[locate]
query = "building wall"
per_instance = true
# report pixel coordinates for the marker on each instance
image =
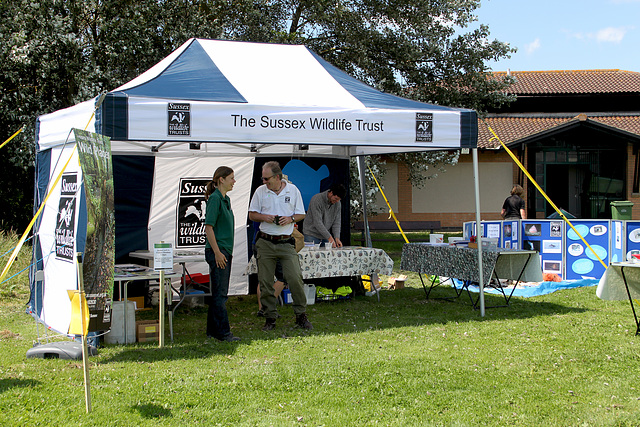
(449, 198)
(632, 197)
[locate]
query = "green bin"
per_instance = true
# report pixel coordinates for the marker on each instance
(621, 209)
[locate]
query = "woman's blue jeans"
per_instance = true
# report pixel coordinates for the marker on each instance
(217, 318)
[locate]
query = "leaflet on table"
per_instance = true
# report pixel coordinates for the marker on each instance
(132, 270)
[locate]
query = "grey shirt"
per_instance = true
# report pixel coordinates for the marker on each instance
(323, 219)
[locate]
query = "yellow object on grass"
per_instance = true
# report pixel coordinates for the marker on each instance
(343, 291)
(366, 282)
(79, 323)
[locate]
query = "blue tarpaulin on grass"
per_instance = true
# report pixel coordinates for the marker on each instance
(542, 288)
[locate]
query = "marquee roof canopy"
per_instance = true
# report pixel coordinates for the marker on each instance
(255, 97)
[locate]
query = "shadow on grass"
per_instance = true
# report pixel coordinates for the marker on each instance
(396, 309)
(151, 410)
(9, 383)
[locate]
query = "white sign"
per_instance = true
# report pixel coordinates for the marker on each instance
(162, 256)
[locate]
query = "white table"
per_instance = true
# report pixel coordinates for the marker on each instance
(338, 262)
(621, 281)
(462, 263)
(182, 258)
(127, 273)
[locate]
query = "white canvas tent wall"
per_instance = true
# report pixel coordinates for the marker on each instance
(238, 101)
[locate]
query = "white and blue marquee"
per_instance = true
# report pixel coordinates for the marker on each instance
(213, 103)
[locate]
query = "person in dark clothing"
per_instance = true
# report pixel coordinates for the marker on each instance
(219, 227)
(513, 206)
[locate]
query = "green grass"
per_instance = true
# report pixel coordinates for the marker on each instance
(565, 358)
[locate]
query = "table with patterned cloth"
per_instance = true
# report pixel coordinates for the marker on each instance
(621, 281)
(462, 263)
(338, 262)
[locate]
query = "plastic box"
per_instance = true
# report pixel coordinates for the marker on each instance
(116, 334)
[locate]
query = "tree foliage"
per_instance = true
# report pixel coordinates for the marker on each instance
(56, 53)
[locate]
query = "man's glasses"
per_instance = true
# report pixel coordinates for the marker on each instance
(267, 178)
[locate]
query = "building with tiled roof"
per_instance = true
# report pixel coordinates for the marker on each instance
(577, 132)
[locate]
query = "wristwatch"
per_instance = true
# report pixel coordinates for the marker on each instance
(293, 219)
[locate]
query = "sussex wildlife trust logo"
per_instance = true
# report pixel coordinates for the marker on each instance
(65, 225)
(424, 127)
(179, 116)
(192, 209)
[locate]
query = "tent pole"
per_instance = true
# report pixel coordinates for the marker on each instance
(363, 191)
(476, 182)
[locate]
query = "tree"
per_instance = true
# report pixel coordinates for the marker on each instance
(59, 52)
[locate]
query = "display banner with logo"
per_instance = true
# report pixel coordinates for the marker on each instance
(178, 208)
(78, 217)
(61, 233)
(94, 153)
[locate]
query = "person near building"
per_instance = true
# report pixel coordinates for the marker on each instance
(513, 206)
(277, 205)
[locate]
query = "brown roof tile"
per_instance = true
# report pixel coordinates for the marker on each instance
(573, 82)
(511, 129)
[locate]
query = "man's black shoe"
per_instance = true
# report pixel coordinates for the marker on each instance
(303, 322)
(269, 325)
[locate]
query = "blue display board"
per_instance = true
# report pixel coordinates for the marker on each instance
(468, 229)
(632, 239)
(492, 230)
(618, 240)
(545, 236)
(580, 261)
(510, 235)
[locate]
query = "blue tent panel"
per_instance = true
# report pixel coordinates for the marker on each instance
(193, 76)
(133, 181)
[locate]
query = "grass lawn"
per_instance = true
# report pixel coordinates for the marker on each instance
(567, 358)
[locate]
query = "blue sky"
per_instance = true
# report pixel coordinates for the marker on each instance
(565, 34)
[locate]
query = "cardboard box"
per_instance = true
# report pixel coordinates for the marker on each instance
(397, 282)
(147, 330)
(139, 302)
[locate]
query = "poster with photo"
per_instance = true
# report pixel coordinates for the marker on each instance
(552, 246)
(552, 267)
(545, 237)
(587, 261)
(555, 229)
(532, 229)
(632, 239)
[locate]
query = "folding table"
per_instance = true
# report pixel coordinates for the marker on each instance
(127, 273)
(462, 263)
(621, 281)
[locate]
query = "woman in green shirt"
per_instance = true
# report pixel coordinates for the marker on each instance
(219, 228)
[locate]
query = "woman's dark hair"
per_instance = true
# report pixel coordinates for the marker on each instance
(517, 190)
(221, 172)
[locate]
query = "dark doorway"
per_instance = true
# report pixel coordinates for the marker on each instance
(568, 188)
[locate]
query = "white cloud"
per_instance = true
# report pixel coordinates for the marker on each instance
(611, 34)
(532, 47)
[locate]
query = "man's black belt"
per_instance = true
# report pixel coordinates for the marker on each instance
(275, 239)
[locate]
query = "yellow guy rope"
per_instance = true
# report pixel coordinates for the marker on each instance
(14, 254)
(515, 159)
(391, 214)
(12, 136)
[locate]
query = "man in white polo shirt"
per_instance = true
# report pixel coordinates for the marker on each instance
(277, 205)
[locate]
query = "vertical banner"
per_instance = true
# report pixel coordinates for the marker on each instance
(94, 154)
